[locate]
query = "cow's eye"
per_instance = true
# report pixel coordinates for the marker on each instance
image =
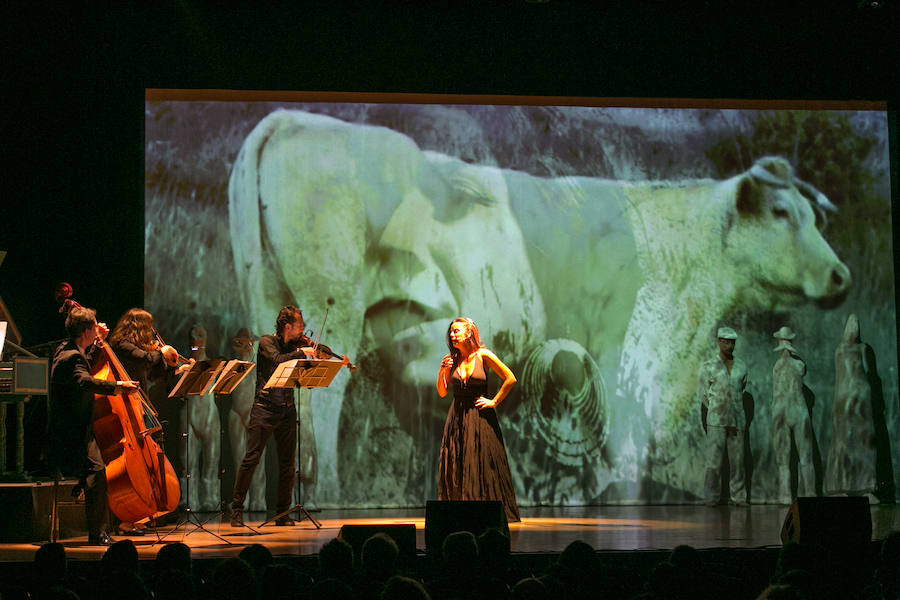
(780, 212)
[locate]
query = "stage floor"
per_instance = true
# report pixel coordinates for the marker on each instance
(542, 530)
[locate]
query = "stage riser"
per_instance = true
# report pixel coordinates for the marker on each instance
(27, 510)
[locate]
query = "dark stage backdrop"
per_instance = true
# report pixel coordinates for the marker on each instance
(598, 249)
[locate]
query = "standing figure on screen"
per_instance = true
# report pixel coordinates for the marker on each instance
(850, 466)
(201, 446)
(473, 463)
(790, 420)
(273, 412)
(242, 346)
(73, 450)
(722, 383)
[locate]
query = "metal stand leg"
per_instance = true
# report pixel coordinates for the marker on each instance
(189, 517)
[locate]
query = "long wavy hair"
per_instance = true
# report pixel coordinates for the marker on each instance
(135, 326)
(474, 338)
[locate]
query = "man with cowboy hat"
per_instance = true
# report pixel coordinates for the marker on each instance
(790, 419)
(722, 383)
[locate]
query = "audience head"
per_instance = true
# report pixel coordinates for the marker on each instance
(234, 579)
(781, 592)
(529, 588)
(460, 551)
(403, 588)
(257, 556)
(577, 560)
(50, 564)
(175, 556)
(686, 558)
(121, 556)
(493, 547)
(379, 556)
(336, 560)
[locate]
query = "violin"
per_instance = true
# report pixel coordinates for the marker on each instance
(172, 361)
(306, 342)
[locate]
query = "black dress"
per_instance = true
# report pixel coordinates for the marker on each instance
(473, 458)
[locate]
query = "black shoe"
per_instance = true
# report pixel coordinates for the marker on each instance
(129, 529)
(102, 539)
(237, 517)
(284, 521)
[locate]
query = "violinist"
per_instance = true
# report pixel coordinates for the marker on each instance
(72, 447)
(144, 358)
(133, 339)
(274, 412)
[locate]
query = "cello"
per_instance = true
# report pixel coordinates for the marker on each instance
(141, 482)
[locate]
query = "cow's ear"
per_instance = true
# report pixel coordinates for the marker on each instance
(748, 199)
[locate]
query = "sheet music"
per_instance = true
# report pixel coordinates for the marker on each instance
(232, 374)
(304, 372)
(199, 379)
(2, 336)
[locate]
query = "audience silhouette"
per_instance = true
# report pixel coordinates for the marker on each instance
(467, 568)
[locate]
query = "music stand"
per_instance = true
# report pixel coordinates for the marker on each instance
(232, 375)
(302, 373)
(196, 381)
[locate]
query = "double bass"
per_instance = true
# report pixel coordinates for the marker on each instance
(141, 482)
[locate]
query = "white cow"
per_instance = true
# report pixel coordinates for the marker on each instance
(645, 271)
(403, 240)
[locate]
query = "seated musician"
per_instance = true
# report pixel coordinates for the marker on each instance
(72, 449)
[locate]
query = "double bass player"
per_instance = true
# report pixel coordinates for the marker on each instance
(72, 448)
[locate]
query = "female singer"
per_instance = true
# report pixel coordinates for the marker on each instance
(473, 464)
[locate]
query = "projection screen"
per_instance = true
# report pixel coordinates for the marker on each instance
(599, 248)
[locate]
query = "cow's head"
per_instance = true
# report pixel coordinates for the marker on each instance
(776, 233)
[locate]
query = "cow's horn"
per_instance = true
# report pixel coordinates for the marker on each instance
(760, 173)
(812, 193)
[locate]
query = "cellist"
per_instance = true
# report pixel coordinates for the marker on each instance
(72, 448)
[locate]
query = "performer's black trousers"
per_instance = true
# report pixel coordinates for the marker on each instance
(267, 419)
(96, 504)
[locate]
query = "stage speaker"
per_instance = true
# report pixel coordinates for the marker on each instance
(403, 534)
(27, 508)
(443, 517)
(832, 521)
